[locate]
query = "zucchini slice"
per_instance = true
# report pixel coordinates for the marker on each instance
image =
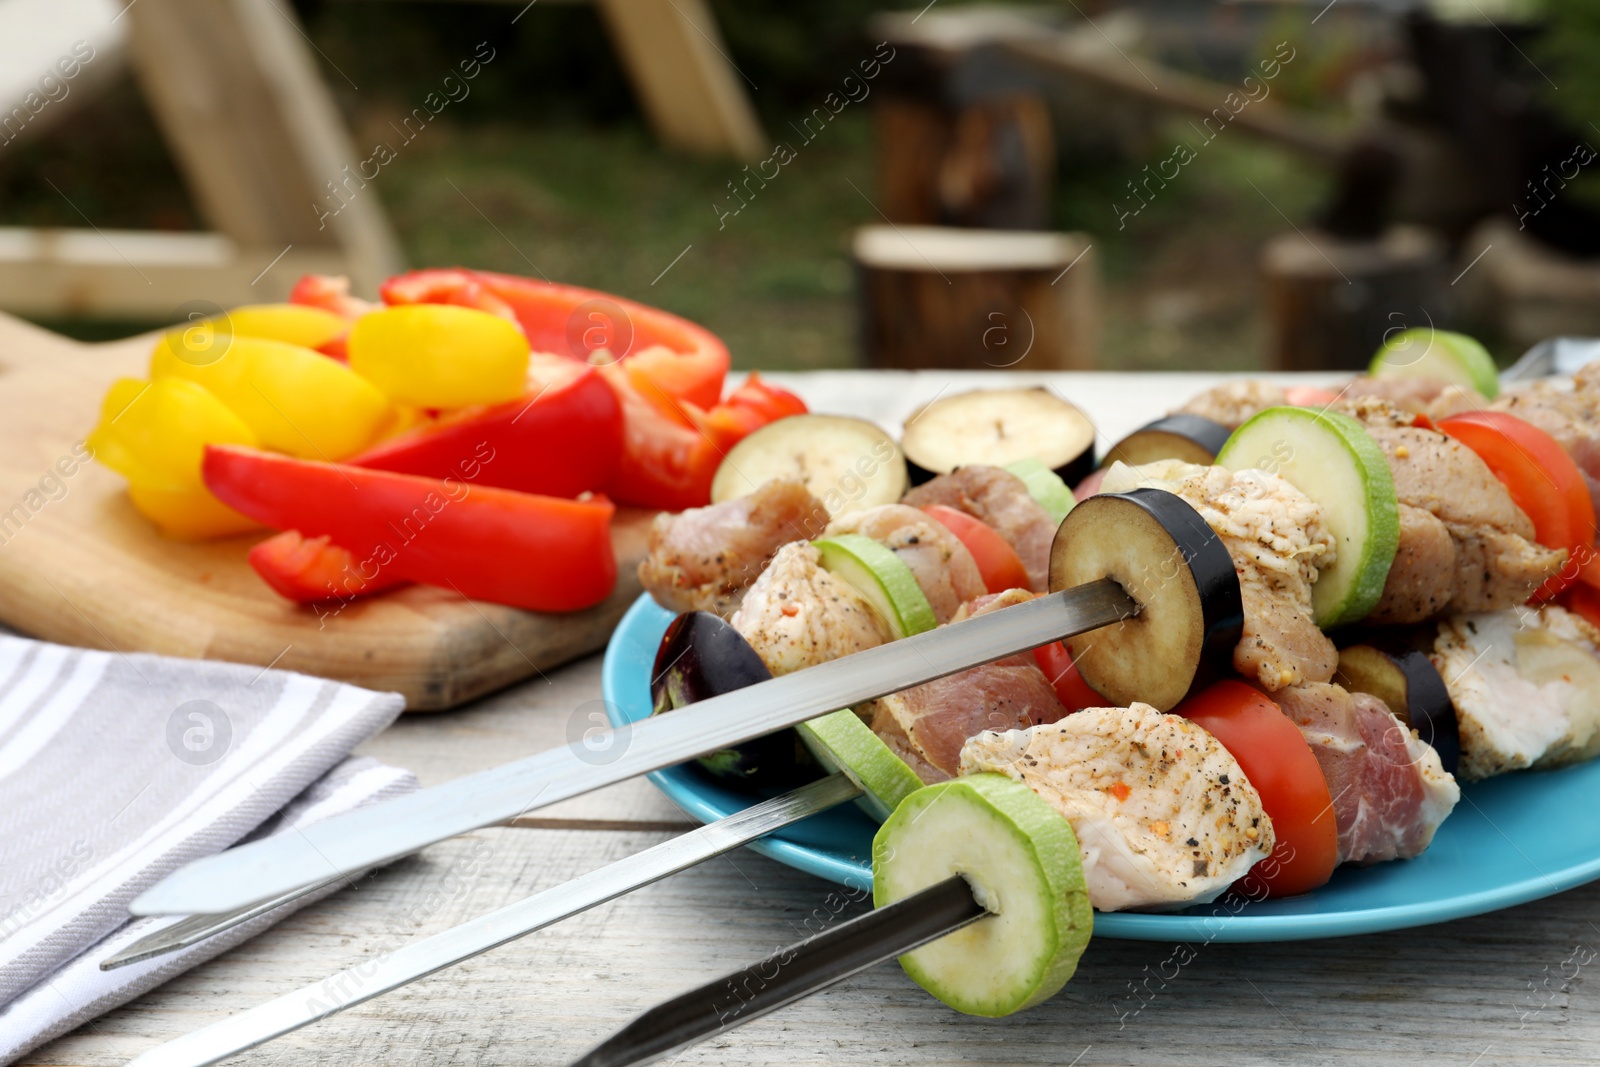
(883, 578)
(1191, 438)
(1022, 861)
(1424, 352)
(842, 742)
(1045, 486)
(996, 427)
(849, 464)
(1332, 459)
(1162, 553)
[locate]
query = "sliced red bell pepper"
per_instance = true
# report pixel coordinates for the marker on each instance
(748, 408)
(535, 552)
(561, 440)
(451, 285)
(665, 464)
(313, 570)
(667, 374)
(684, 361)
(331, 294)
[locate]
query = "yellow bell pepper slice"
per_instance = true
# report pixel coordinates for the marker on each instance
(295, 400)
(155, 433)
(188, 514)
(294, 324)
(440, 355)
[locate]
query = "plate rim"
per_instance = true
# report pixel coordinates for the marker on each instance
(1134, 926)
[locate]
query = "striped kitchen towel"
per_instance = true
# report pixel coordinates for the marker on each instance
(80, 990)
(117, 769)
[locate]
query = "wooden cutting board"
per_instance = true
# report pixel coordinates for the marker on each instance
(79, 566)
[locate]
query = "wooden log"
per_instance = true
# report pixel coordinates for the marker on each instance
(989, 164)
(962, 140)
(1331, 302)
(1528, 291)
(976, 299)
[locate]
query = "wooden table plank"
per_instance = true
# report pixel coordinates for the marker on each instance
(1448, 994)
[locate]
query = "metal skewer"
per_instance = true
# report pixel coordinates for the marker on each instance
(790, 974)
(373, 835)
(196, 928)
(422, 958)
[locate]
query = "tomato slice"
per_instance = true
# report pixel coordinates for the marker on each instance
(1584, 600)
(997, 560)
(540, 553)
(1278, 761)
(1309, 396)
(313, 570)
(1543, 481)
(1074, 693)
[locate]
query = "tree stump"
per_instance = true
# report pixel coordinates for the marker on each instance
(963, 133)
(1528, 291)
(932, 297)
(1332, 302)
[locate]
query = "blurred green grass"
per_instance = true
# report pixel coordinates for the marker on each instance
(547, 169)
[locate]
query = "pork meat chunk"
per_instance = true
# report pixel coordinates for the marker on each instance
(1389, 790)
(703, 559)
(1000, 499)
(941, 564)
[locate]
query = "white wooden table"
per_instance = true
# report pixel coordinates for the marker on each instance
(1512, 987)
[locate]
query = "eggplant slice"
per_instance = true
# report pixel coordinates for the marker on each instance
(997, 427)
(1407, 681)
(1191, 438)
(847, 463)
(1166, 558)
(702, 656)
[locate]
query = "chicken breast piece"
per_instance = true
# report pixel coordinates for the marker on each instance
(703, 559)
(1422, 578)
(1278, 541)
(1493, 559)
(1526, 686)
(1433, 397)
(1000, 499)
(941, 564)
(1389, 790)
(1163, 814)
(797, 615)
(1235, 403)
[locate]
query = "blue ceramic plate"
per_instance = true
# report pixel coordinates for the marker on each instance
(1512, 839)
